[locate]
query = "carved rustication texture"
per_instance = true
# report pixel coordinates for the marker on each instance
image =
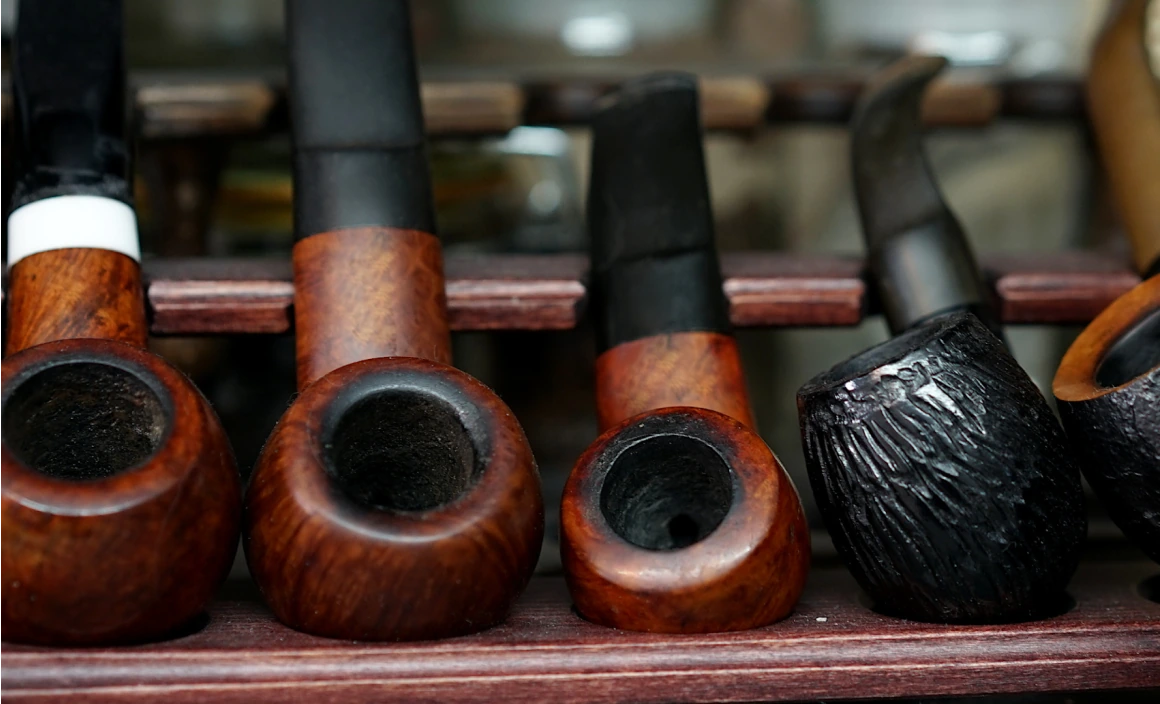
(946, 483)
(1117, 438)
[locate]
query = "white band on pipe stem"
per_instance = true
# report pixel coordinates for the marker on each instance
(72, 221)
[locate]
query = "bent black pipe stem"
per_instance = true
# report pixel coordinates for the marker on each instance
(918, 254)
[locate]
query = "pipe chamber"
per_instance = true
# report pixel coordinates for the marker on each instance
(681, 520)
(121, 499)
(397, 499)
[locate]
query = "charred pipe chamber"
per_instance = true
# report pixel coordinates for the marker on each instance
(397, 499)
(681, 520)
(1108, 391)
(120, 495)
(946, 483)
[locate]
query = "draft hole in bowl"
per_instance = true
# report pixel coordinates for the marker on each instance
(401, 450)
(667, 492)
(84, 420)
(1061, 606)
(1134, 353)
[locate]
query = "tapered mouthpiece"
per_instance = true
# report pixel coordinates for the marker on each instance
(654, 264)
(919, 257)
(69, 89)
(357, 119)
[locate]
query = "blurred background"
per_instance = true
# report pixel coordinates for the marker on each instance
(1018, 185)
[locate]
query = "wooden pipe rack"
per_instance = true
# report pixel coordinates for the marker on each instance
(834, 646)
(185, 105)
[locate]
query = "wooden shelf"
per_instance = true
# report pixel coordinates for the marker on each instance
(832, 647)
(180, 105)
(542, 292)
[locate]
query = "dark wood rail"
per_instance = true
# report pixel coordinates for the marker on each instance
(547, 292)
(539, 292)
(831, 647)
(181, 105)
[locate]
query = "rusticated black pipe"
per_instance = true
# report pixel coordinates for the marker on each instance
(946, 483)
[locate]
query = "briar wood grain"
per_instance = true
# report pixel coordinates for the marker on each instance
(71, 293)
(121, 557)
(831, 647)
(678, 518)
(366, 293)
(699, 369)
(330, 562)
(746, 572)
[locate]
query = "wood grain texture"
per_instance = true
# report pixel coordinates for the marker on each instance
(124, 557)
(331, 565)
(73, 293)
(366, 293)
(831, 647)
(946, 483)
(748, 571)
(1124, 105)
(699, 369)
(1116, 429)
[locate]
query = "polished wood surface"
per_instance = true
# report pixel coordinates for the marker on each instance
(127, 557)
(747, 572)
(547, 292)
(831, 648)
(365, 293)
(1124, 103)
(330, 565)
(78, 292)
(700, 369)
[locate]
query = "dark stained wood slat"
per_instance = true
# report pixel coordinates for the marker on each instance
(1058, 287)
(547, 292)
(175, 105)
(831, 647)
(770, 288)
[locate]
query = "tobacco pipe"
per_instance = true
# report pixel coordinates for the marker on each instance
(947, 485)
(397, 498)
(1108, 384)
(678, 518)
(121, 500)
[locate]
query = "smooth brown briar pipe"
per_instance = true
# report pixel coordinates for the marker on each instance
(1108, 384)
(397, 498)
(678, 518)
(121, 500)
